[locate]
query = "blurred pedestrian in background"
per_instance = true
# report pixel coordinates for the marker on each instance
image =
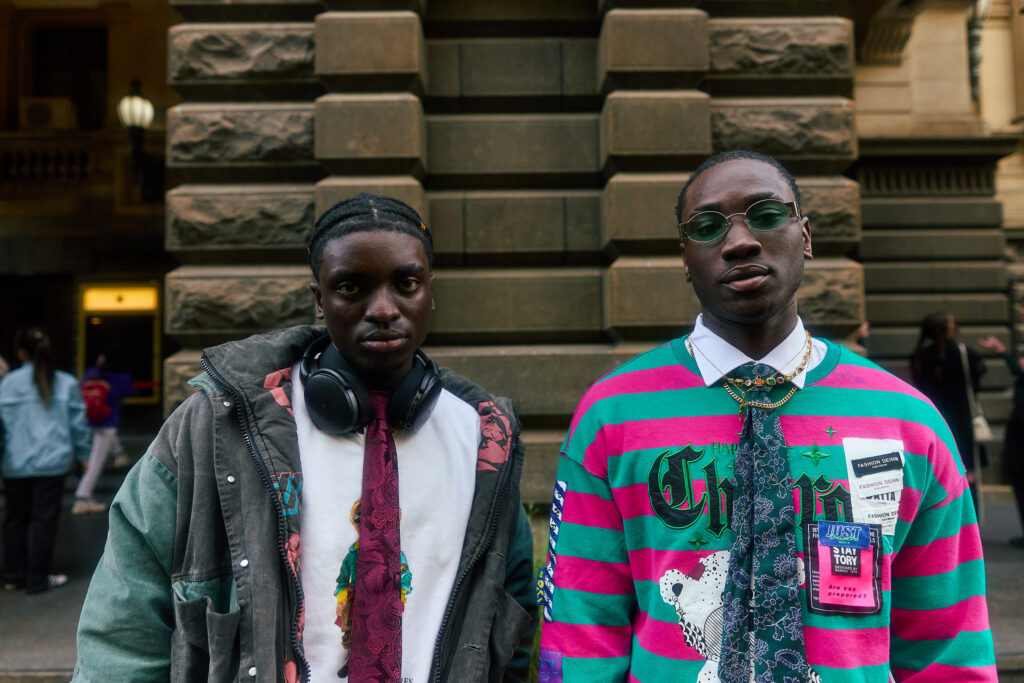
(43, 418)
(1013, 441)
(102, 390)
(937, 368)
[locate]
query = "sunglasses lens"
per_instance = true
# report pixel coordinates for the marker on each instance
(705, 227)
(768, 215)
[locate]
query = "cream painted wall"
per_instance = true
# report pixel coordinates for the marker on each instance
(996, 78)
(998, 107)
(929, 92)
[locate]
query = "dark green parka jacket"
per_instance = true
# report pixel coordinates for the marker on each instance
(199, 577)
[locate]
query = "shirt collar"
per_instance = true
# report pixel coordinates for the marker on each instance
(714, 355)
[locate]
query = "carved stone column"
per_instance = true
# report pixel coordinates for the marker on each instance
(241, 146)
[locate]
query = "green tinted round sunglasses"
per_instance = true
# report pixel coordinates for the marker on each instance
(708, 227)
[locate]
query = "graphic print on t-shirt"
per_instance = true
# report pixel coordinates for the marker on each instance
(345, 589)
(697, 600)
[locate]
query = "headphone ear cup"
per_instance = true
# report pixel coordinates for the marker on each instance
(413, 399)
(336, 401)
(335, 406)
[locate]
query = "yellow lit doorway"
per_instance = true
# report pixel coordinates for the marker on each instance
(122, 322)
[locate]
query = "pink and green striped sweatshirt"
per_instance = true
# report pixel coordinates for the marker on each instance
(640, 529)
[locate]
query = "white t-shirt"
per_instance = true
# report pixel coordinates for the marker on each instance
(436, 480)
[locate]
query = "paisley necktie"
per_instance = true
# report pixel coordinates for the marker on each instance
(376, 653)
(762, 629)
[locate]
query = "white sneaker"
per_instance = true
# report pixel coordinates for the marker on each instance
(52, 581)
(85, 506)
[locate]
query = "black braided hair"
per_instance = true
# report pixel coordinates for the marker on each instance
(729, 155)
(367, 213)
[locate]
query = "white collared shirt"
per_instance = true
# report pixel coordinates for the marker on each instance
(714, 355)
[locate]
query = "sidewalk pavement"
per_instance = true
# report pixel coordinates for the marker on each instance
(38, 641)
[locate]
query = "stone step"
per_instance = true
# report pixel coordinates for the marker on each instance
(895, 341)
(218, 222)
(472, 74)
(516, 227)
(207, 223)
(640, 130)
(929, 213)
(935, 276)
(911, 308)
(541, 464)
(476, 16)
(207, 304)
(641, 48)
(379, 51)
(51, 676)
(930, 245)
(247, 10)
(222, 141)
(810, 135)
(204, 304)
(774, 56)
(368, 50)
(996, 378)
(406, 188)
(237, 141)
(638, 212)
(791, 9)
(246, 61)
(557, 305)
(348, 138)
(475, 150)
(546, 382)
(649, 298)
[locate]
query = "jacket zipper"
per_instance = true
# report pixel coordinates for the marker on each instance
(282, 528)
(492, 528)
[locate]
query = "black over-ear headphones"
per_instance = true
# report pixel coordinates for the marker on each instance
(339, 403)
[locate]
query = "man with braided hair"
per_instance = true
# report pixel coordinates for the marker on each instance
(747, 503)
(229, 556)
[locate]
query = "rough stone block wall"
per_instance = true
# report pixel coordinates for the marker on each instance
(241, 148)
(544, 143)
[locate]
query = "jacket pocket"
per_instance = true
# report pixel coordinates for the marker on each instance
(510, 622)
(204, 645)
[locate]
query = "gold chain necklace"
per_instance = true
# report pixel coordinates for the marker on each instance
(780, 378)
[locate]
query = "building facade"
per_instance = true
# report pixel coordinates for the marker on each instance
(545, 143)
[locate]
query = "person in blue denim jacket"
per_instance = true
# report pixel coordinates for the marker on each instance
(44, 430)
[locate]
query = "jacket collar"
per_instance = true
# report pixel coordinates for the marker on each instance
(253, 358)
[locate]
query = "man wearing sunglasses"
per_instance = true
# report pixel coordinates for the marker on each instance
(749, 503)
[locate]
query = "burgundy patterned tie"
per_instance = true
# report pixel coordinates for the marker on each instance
(376, 653)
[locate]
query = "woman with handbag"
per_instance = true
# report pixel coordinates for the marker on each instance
(1013, 441)
(949, 373)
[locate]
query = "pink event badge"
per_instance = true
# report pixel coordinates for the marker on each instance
(844, 567)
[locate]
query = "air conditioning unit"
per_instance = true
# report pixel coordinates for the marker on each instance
(46, 113)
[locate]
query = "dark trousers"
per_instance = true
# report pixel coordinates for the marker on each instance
(30, 529)
(1013, 456)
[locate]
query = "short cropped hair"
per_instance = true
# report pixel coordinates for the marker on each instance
(729, 155)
